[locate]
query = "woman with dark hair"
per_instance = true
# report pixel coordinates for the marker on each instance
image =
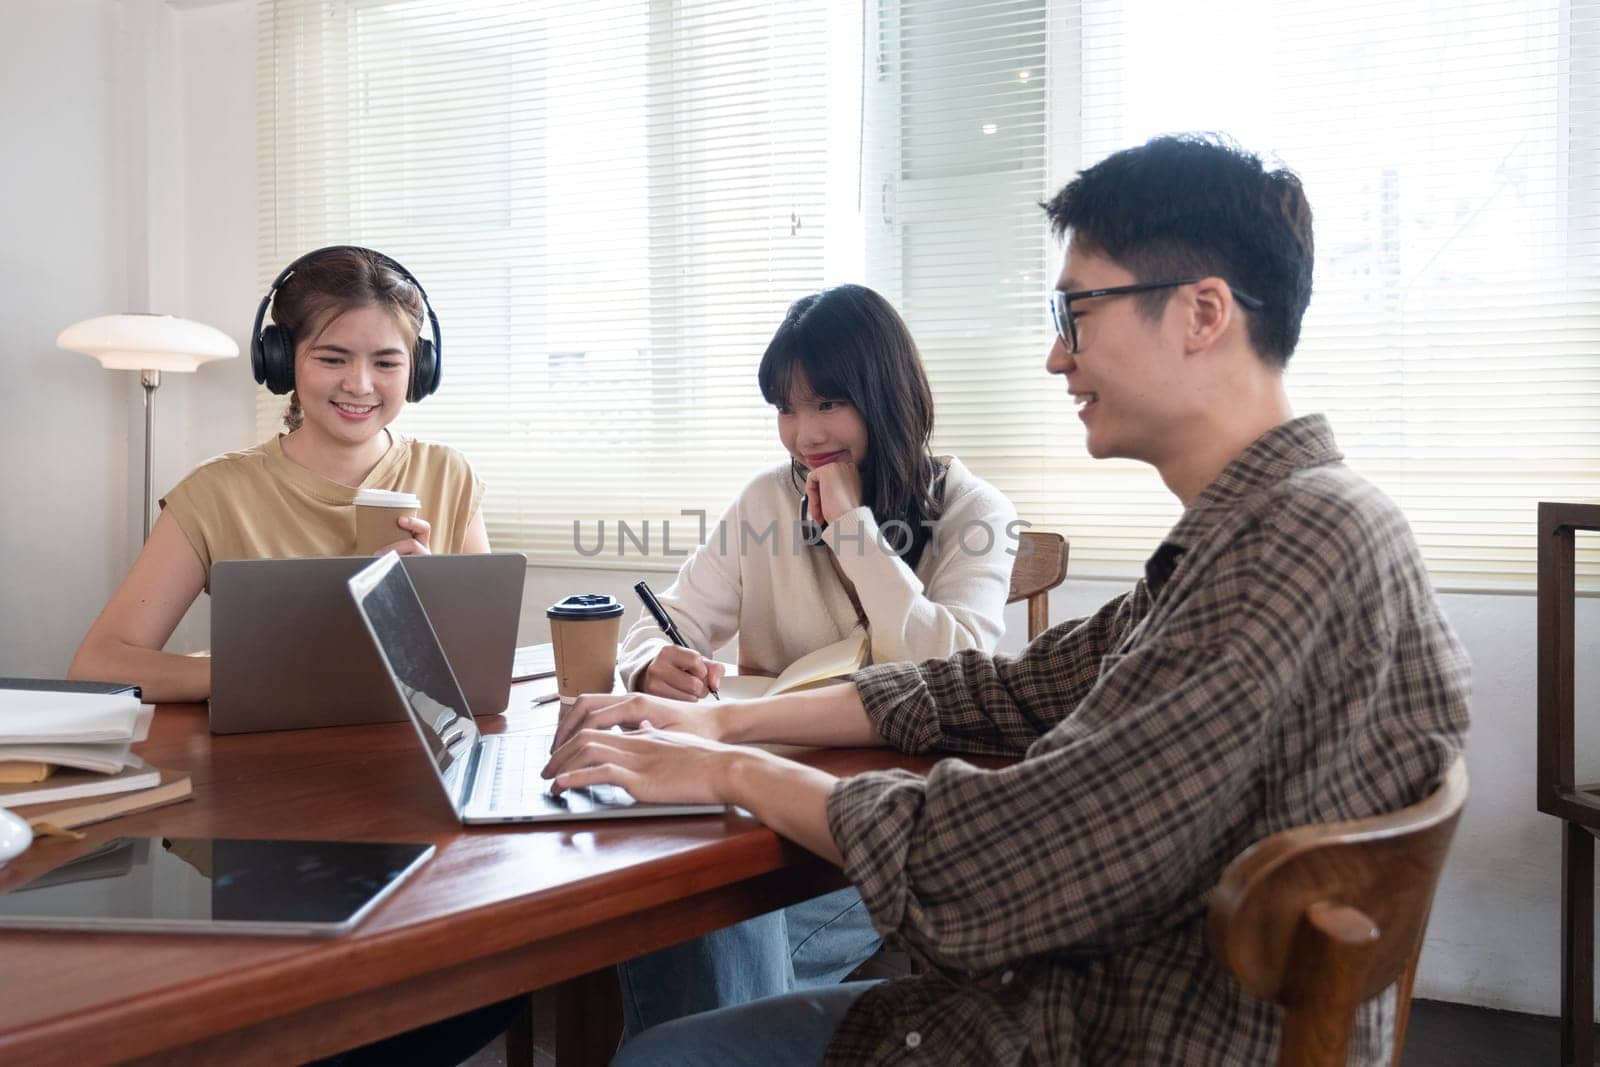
(347, 342)
(862, 527)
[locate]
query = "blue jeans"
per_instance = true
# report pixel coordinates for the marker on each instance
(811, 945)
(787, 1031)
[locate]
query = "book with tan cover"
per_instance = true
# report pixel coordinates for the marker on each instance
(69, 783)
(174, 787)
(827, 664)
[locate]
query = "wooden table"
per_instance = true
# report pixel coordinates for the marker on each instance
(494, 913)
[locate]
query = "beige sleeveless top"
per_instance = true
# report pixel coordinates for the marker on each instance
(259, 504)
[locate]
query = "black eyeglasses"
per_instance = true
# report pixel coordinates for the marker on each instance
(1066, 319)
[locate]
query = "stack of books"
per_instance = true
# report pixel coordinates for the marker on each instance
(67, 741)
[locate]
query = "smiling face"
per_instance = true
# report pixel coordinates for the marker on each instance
(352, 376)
(817, 430)
(1127, 376)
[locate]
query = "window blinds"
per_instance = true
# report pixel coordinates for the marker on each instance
(611, 204)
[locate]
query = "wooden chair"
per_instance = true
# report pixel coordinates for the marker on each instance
(1319, 919)
(1041, 565)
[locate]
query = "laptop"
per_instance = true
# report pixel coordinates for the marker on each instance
(289, 649)
(490, 778)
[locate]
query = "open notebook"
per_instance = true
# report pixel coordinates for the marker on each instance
(827, 664)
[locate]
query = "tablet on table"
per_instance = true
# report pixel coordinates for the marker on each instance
(215, 885)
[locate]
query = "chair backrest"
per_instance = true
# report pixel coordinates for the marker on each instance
(1321, 918)
(1040, 566)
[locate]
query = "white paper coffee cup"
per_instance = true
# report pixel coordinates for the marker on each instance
(378, 512)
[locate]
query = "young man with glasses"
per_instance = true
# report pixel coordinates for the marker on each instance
(1283, 661)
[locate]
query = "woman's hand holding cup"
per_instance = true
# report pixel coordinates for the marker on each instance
(387, 521)
(681, 674)
(414, 545)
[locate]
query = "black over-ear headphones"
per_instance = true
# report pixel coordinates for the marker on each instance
(272, 348)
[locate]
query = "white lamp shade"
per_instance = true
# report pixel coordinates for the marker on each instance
(147, 342)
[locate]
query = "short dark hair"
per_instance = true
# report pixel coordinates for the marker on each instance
(849, 343)
(1198, 204)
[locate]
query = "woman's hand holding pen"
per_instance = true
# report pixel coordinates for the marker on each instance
(681, 674)
(601, 711)
(833, 489)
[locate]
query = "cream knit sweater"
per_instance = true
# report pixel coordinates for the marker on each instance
(783, 599)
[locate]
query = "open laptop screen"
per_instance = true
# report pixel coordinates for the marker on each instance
(302, 609)
(421, 674)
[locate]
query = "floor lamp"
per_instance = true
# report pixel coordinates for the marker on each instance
(148, 344)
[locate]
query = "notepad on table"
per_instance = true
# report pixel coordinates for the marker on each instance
(68, 783)
(533, 661)
(171, 788)
(827, 664)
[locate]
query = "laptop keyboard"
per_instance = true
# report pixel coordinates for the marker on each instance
(515, 784)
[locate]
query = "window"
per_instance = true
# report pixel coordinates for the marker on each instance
(613, 202)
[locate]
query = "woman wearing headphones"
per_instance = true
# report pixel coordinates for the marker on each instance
(347, 343)
(912, 547)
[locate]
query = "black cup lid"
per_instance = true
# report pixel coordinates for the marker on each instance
(585, 606)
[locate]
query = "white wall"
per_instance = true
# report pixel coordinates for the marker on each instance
(1495, 935)
(214, 100)
(65, 423)
(130, 185)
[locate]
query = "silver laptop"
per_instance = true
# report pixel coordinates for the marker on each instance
(289, 650)
(487, 779)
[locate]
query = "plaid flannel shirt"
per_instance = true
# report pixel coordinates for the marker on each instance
(1282, 662)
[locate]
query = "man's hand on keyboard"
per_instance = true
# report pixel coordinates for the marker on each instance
(599, 711)
(653, 765)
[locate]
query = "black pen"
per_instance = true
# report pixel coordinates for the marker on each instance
(663, 620)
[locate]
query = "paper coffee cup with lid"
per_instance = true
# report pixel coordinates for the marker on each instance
(584, 629)
(378, 512)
